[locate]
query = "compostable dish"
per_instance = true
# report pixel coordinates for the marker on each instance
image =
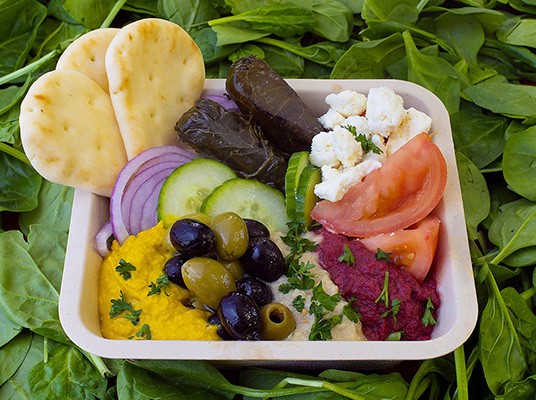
(452, 270)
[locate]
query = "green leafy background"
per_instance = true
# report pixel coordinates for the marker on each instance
(477, 56)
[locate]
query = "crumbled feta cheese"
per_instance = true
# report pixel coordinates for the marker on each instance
(322, 151)
(328, 172)
(347, 149)
(347, 102)
(414, 123)
(379, 142)
(385, 110)
(333, 189)
(331, 119)
(360, 123)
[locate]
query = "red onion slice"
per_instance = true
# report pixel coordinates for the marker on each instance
(119, 228)
(224, 100)
(101, 239)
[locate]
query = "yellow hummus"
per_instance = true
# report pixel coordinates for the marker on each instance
(166, 315)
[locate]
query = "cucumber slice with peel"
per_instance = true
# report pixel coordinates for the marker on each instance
(305, 194)
(185, 189)
(297, 162)
(249, 199)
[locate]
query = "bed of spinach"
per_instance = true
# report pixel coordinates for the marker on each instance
(478, 56)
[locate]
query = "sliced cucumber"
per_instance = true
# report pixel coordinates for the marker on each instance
(297, 162)
(185, 189)
(249, 199)
(305, 195)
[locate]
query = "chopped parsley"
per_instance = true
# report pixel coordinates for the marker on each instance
(347, 256)
(382, 255)
(395, 308)
(350, 312)
(324, 300)
(162, 283)
(428, 318)
(124, 269)
(321, 329)
(144, 332)
(299, 303)
(384, 295)
(366, 144)
(395, 336)
(120, 305)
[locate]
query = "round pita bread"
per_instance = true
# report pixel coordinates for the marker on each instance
(155, 73)
(86, 54)
(69, 132)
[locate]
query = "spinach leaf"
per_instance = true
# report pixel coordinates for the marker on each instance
(518, 162)
(434, 73)
(521, 390)
(332, 20)
(19, 186)
(20, 21)
(33, 306)
(475, 194)
(228, 34)
(90, 13)
(478, 136)
(512, 230)
(369, 60)
(187, 14)
(501, 353)
(207, 40)
(9, 328)
(518, 31)
(509, 99)
(53, 210)
(12, 355)
(67, 374)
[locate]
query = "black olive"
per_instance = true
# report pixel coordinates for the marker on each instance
(256, 228)
(264, 260)
(240, 316)
(172, 268)
(253, 287)
(214, 319)
(192, 238)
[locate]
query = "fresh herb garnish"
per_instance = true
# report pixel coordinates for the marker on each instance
(162, 283)
(299, 277)
(347, 256)
(145, 332)
(428, 318)
(299, 303)
(382, 255)
(350, 312)
(124, 269)
(366, 144)
(384, 295)
(395, 308)
(322, 327)
(395, 336)
(120, 305)
(329, 302)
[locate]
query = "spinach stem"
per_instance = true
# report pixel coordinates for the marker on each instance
(113, 13)
(461, 373)
(29, 68)
(97, 363)
(529, 293)
(19, 155)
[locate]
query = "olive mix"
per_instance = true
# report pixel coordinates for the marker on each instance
(226, 263)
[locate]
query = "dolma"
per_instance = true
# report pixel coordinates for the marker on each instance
(225, 135)
(262, 94)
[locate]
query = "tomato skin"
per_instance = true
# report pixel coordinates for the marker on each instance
(403, 191)
(412, 249)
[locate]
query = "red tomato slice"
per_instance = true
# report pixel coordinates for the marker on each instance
(403, 191)
(412, 249)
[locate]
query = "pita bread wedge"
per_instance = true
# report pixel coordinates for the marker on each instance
(155, 72)
(86, 54)
(69, 132)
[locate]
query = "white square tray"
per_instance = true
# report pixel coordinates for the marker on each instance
(457, 315)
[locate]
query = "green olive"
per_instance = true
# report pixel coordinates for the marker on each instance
(277, 321)
(234, 267)
(204, 218)
(231, 235)
(207, 279)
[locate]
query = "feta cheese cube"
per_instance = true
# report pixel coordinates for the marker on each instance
(414, 123)
(347, 149)
(322, 151)
(380, 143)
(331, 119)
(385, 111)
(360, 123)
(347, 102)
(333, 189)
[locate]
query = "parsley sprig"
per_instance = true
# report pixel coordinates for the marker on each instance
(347, 256)
(124, 269)
(395, 308)
(120, 306)
(162, 283)
(428, 318)
(384, 295)
(366, 144)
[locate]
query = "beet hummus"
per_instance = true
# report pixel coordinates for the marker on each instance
(361, 283)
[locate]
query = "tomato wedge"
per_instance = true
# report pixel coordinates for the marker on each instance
(412, 249)
(403, 191)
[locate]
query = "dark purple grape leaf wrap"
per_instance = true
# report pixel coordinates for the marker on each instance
(267, 98)
(217, 133)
